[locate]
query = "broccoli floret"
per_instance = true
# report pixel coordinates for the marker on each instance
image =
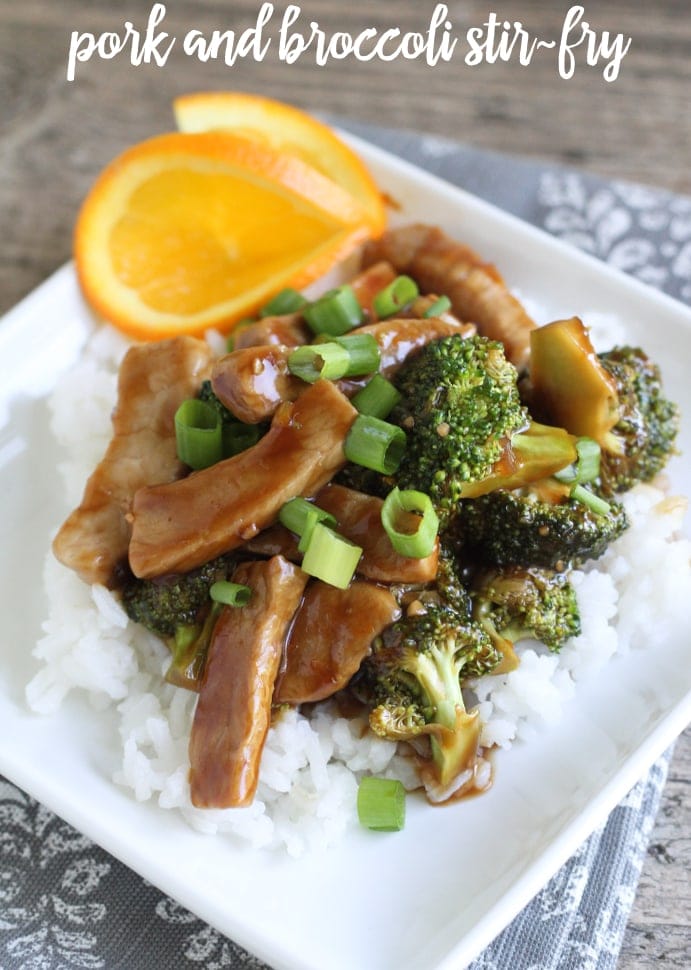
(167, 602)
(362, 479)
(450, 582)
(178, 609)
(459, 404)
(413, 679)
(525, 527)
(467, 430)
(518, 603)
(448, 589)
(642, 441)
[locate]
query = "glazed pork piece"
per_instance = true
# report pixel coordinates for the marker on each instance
(154, 380)
(477, 291)
(287, 330)
(233, 713)
(181, 525)
(253, 381)
(331, 633)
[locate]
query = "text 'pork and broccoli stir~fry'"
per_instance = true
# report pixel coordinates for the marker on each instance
(372, 496)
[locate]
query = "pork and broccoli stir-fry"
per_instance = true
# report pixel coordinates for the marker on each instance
(372, 496)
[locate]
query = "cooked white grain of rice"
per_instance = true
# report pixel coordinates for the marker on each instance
(311, 767)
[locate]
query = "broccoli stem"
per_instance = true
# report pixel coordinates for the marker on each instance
(454, 750)
(455, 746)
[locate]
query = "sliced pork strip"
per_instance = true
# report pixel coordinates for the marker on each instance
(330, 635)
(153, 381)
(252, 382)
(233, 712)
(477, 291)
(184, 524)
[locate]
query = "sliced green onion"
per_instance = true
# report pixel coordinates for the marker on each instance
(588, 463)
(311, 519)
(230, 594)
(330, 557)
(335, 313)
(375, 444)
(377, 398)
(395, 296)
(437, 308)
(381, 804)
(294, 513)
(326, 360)
(198, 434)
(567, 475)
(287, 301)
(363, 353)
(239, 437)
(587, 466)
(416, 544)
(590, 500)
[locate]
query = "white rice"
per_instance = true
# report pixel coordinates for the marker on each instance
(311, 767)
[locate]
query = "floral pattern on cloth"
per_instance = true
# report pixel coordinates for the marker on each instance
(577, 921)
(644, 232)
(51, 884)
(65, 903)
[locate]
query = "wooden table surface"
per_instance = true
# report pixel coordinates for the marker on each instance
(56, 135)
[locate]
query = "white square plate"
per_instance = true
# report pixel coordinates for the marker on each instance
(434, 895)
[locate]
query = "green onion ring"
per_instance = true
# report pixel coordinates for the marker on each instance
(287, 301)
(335, 313)
(326, 360)
(587, 465)
(230, 594)
(330, 557)
(418, 544)
(363, 353)
(198, 434)
(377, 398)
(375, 444)
(399, 293)
(294, 515)
(437, 308)
(381, 804)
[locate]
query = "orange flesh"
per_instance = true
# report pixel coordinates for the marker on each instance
(173, 246)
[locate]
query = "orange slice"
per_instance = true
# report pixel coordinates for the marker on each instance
(184, 232)
(286, 129)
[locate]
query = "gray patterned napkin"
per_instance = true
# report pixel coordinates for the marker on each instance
(65, 903)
